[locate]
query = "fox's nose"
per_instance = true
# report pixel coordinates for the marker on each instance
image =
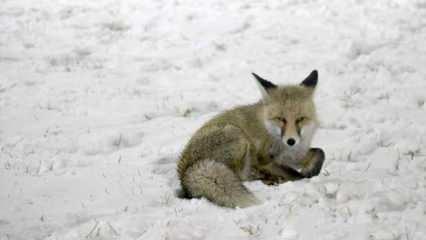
(291, 141)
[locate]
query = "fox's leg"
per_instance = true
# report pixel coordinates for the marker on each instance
(274, 173)
(313, 162)
(216, 176)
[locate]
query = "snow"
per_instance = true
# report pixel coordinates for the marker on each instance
(98, 98)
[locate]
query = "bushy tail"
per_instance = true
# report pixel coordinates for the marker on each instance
(219, 184)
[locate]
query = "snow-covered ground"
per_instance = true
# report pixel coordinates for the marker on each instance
(97, 99)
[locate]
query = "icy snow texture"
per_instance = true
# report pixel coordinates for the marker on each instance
(97, 99)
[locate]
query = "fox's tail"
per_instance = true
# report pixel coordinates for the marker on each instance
(216, 182)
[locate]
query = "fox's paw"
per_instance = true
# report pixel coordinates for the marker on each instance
(316, 157)
(272, 181)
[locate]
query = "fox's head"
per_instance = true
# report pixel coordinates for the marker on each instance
(289, 111)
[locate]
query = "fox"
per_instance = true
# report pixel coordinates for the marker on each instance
(268, 141)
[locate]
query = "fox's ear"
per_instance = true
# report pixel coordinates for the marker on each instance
(311, 80)
(264, 85)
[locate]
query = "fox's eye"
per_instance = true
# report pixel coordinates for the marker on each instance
(301, 119)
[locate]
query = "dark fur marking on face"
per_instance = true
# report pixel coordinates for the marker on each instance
(299, 130)
(282, 131)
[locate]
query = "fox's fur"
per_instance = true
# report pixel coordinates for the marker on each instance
(265, 141)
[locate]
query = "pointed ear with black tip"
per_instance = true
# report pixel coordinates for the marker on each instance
(265, 86)
(311, 80)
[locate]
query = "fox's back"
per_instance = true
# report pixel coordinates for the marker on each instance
(243, 117)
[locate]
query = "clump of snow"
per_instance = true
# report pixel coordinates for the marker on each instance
(98, 98)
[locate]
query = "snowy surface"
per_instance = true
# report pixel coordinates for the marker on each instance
(97, 99)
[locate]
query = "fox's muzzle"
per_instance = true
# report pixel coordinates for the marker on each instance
(290, 134)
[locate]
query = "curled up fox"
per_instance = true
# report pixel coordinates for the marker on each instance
(268, 141)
